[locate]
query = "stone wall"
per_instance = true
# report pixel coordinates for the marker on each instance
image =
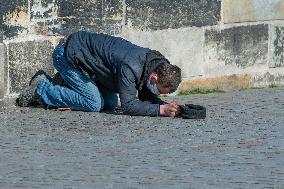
(228, 44)
(218, 43)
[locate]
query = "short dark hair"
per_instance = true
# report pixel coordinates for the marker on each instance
(168, 75)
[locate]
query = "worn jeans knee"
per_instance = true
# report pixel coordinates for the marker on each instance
(93, 105)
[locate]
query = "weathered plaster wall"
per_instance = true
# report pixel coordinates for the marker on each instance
(157, 15)
(242, 46)
(59, 17)
(217, 43)
(96, 15)
(183, 47)
(31, 28)
(252, 10)
(277, 45)
(15, 17)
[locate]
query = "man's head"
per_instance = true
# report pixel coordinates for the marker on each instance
(164, 79)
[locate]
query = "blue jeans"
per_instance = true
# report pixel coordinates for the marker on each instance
(82, 93)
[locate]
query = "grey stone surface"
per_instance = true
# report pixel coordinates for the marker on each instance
(3, 70)
(43, 17)
(239, 145)
(265, 79)
(41, 9)
(50, 17)
(242, 46)
(15, 17)
(7, 103)
(277, 46)
(252, 10)
(156, 15)
(1, 35)
(25, 59)
(100, 16)
(183, 47)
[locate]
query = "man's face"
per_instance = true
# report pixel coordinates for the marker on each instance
(163, 90)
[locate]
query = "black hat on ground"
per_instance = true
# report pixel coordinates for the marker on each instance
(191, 111)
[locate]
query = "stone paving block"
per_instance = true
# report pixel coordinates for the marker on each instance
(112, 9)
(25, 59)
(42, 9)
(252, 10)
(112, 16)
(79, 15)
(15, 17)
(156, 15)
(3, 70)
(276, 46)
(95, 15)
(44, 17)
(241, 46)
(72, 24)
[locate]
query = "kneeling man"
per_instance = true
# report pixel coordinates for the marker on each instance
(96, 67)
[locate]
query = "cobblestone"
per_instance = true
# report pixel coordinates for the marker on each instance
(239, 145)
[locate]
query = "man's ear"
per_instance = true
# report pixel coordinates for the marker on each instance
(153, 78)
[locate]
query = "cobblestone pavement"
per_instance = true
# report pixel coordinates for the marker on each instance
(239, 145)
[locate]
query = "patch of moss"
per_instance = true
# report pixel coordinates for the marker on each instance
(250, 88)
(200, 91)
(273, 85)
(163, 96)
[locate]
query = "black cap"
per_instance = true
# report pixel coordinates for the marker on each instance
(191, 111)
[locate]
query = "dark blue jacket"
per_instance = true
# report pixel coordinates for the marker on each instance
(118, 66)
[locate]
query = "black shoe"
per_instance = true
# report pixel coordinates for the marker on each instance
(58, 80)
(29, 97)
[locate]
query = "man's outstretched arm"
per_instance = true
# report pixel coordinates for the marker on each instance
(146, 95)
(130, 104)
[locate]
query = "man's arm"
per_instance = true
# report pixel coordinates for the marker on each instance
(127, 92)
(146, 95)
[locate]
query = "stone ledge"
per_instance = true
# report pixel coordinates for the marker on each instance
(7, 102)
(3, 70)
(265, 79)
(230, 82)
(236, 81)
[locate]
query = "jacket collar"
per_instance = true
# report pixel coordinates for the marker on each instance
(153, 60)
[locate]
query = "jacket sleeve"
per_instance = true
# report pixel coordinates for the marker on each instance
(146, 95)
(130, 104)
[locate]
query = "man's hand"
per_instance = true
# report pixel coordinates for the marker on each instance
(170, 110)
